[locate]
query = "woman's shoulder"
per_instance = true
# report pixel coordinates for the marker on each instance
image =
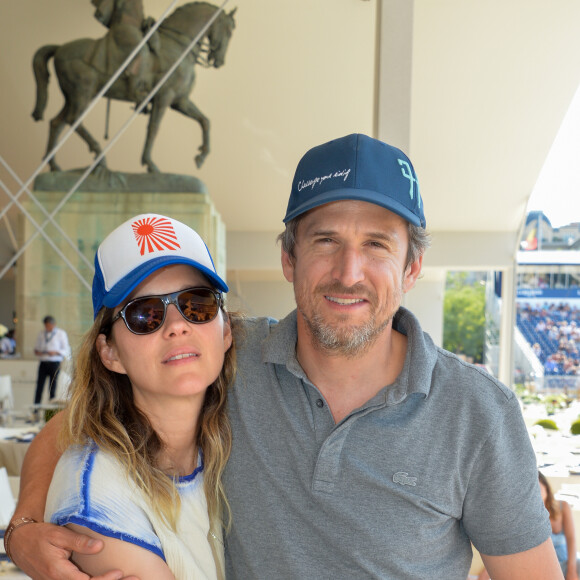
(88, 458)
(87, 474)
(90, 488)
(565, 507)
(76, 457)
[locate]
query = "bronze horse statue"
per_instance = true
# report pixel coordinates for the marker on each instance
(80, 78)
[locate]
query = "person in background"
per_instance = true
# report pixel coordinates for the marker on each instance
(360, 449)
(7, 342)
(11, 336)
(51, 347)
(563, 536)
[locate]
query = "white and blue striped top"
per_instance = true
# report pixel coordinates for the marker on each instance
(90, 488)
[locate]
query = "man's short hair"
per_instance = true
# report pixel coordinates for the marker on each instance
(49, 320)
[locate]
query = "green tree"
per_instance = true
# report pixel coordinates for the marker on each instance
(464, 316)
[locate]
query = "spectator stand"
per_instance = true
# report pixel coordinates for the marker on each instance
(552, 329)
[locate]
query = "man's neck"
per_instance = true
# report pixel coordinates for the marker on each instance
(349, 382)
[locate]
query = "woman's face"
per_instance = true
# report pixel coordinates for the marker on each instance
(180, 359)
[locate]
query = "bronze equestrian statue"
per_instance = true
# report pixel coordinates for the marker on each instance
(84, 66)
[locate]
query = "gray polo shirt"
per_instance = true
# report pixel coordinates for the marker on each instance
(395, 490)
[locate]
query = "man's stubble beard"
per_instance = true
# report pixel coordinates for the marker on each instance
(349, 341)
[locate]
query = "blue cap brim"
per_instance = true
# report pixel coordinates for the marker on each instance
(122, 289)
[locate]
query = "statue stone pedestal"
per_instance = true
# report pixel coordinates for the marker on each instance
(45, 284)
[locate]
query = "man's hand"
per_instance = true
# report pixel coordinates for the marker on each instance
(43, 552)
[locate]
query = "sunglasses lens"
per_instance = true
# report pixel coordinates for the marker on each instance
(145, 316)
(198, 305)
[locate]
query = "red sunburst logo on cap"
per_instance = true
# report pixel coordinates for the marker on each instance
(155, 234)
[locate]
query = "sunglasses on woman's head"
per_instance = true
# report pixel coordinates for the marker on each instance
(146, 314)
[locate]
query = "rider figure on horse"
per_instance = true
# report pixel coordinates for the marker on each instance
(126, 23)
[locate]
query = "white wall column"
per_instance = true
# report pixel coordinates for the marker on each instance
(506, 335)
(425, 301)
(394, 72)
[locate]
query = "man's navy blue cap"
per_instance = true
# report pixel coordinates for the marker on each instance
(357, 167)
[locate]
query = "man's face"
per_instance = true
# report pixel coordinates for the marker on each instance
(349, 274)
(49, 326)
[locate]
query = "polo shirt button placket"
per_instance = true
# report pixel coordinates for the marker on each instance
(319, 403)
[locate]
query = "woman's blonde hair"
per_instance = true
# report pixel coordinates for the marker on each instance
(101, 408)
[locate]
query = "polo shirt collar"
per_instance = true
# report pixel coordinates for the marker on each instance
(421, 354)
(280, 346)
